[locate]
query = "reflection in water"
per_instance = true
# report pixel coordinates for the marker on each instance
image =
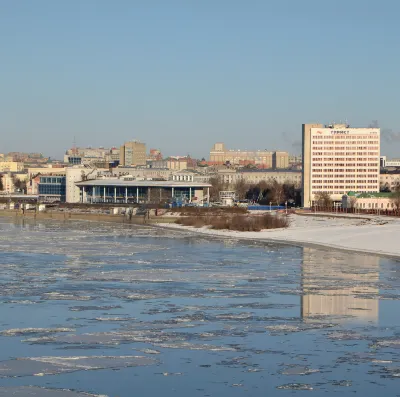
(342, 284)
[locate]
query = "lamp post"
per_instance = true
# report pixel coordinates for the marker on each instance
(270, 206)
(286, 207)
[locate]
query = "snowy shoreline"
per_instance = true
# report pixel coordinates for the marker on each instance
(365, 235)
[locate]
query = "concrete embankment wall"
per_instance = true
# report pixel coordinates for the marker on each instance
(77, 216)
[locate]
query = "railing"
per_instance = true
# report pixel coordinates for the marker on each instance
(358, 211)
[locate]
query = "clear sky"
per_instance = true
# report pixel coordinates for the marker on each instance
(183, 74)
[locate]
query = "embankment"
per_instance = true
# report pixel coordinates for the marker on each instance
(84, 216)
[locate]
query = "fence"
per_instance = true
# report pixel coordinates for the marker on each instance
(358, 211)
(265, 207)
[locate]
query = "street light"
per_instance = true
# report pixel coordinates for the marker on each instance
(270, 206)
(286, 207)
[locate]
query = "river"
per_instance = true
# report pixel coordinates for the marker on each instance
(117, 310)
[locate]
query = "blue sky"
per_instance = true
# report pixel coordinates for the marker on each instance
(183, 74)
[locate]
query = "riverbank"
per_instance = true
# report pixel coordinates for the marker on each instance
(87, 216)
(368, 235)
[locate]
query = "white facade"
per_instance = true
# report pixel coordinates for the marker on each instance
(231, 176)
(385, 163)
(340, 159)
(77, 174)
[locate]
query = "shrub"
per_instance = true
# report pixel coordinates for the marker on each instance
(243, 223)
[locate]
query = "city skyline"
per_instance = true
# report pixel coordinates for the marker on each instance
(182, 76)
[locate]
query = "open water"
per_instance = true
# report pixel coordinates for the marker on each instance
(109, 309)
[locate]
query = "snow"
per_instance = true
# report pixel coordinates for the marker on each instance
(367, 234)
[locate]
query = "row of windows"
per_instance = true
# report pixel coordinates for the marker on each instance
(316, 166)
(359, 170)
(346, 138)
(335, 176)
(347, 181)
(45, 189)
(342, 162)
(343, 189)
(52, 179)
(362, 155)
(316, 171)
(374, 205)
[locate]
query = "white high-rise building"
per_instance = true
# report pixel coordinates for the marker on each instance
(338, 159)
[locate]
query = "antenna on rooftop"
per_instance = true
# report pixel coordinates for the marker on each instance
(74, 150)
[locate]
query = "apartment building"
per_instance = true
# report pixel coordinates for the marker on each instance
(261, 158)
(231, 176)
(389, 180)
(11, 166)
(132, 154)
(386, 163)
(338, 159)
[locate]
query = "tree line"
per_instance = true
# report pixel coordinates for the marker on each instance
(264, 192)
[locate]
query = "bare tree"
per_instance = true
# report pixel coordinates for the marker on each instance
(18, 184)
(216, 186)
(277, 193)
(395, 196)
(353, 202)
(241, 188)
(323, 199)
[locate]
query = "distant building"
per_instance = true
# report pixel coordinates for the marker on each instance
(145, 173)
(34, 174)
(157, 163)
(177, 163)
(295, 160)
(132, 154)
(155, 154)
(78, 174)
(231, 176)
(369, 201)
(52, 187)
(9, 180)
(93, 156)
(280, 160)
(385, 163)
(11, 166)
(123, 190)
(389, 180)
(260, 158)
(112, 156)
(338, 159)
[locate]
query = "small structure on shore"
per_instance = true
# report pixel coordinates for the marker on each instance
(227, 197)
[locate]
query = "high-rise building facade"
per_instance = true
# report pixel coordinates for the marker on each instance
(338, 159)
(132, 154)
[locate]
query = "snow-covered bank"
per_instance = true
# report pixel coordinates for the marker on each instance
(375, 235)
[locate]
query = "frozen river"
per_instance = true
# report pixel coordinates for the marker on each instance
(124, 311)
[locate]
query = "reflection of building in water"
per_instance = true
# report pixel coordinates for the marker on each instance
(339, 284)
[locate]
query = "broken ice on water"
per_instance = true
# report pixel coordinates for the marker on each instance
(33, 391)
(40, 366)
(238, 312)
(28, 331)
